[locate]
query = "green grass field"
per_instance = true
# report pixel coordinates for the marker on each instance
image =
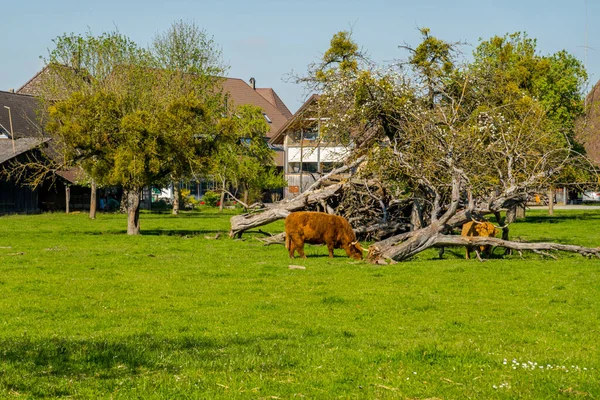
(88, 312)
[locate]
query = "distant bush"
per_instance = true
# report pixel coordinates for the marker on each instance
(189, 201)
(112, 205)
(160, 205)
(211, 198)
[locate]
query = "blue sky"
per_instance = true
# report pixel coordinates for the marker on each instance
(269, 39)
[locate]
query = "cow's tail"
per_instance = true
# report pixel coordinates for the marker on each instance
(287, 241)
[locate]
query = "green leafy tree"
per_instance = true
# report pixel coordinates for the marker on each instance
(509, 70)
(124, 120)
(245, 160)
(190, 62)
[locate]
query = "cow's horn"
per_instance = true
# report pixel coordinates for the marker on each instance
(362, 248)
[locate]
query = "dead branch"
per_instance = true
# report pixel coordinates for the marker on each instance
(398, 249)
(275, 239)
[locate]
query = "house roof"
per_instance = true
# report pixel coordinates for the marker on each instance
(24, 112)
(72, 175)
(297, 118)
(589, 125)
(241, 93)
(32, 86)
(270, 95)
(21, 146)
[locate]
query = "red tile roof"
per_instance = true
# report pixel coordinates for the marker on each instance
(275, 100)
(242, 93)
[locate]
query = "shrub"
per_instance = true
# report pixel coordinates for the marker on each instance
(211, 198)
(188, 200)
(160, 205)
(113, 205)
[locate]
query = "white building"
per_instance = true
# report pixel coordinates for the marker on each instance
(306, 155)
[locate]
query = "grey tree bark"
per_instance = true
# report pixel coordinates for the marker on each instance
(93, 200)
(133, 211)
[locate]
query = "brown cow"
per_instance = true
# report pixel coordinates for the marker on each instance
(318, 228)
(476, 228)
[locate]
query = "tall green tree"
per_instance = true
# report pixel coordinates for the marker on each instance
(127, 122)
(190, 62)
(245, 161)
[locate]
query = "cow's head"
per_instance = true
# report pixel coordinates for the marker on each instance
(355, 250)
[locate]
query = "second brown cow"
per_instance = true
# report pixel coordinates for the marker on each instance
(320, 228)
(475, 228)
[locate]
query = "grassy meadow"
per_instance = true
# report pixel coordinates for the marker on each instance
(88, 312)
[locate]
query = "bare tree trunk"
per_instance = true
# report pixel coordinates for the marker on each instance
(540, 248)
(313, 195)
(416, 215)
(515, 212)
(521, 211)
(176, 197)
(551, 200)
(67, 198)
(93, 202)
(414, 243)
(222, 200)
(133, 211)
(123, 204)
(245, 195)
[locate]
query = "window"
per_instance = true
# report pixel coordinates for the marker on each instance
(311, 133)
(294, 167)
(267, 118)
(310, 167)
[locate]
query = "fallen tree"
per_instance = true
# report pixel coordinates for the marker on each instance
(447, 142)
(388, 251)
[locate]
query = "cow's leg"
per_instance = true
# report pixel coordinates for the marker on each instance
(294, 245)
(467, 252)
(301, 250)
(330, 248)
(289, 245)
(486, 251)
(298, 243)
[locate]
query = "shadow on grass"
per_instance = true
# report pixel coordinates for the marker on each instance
(160, 232)
(40, 366)
(185, 215)
(104, 356)
(182, 232)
